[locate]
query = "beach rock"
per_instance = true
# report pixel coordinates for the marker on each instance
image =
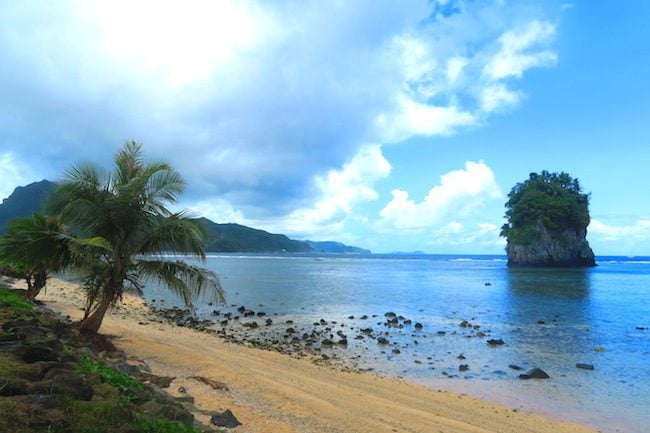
(364, 317)
(463, 367)
(535, 373)
(343, 342)
(225, 419)
(396, 351)
(327, 342)
(514, 367)
(495, 342)
(46, 350)
(366, 330)
(390, 315)
(585, 366)
(418, 325)
(382, 340)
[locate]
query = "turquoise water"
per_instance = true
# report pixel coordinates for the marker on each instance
(547, 318)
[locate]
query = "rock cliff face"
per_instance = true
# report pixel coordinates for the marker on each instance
(563, 248)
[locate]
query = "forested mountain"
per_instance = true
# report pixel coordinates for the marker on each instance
(25, 200)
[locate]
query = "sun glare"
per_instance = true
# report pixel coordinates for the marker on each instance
(180, 41)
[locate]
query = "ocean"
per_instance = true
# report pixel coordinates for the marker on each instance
(552, 319)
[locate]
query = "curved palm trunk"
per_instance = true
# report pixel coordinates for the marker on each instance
(35, 285)
(94, 320)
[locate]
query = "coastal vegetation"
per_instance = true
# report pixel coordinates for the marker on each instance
(115, 230)
(547, 216)
(54, 380)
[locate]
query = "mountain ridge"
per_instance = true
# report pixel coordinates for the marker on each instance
(222, 237)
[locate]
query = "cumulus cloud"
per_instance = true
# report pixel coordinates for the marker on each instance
(639, 231)
(339, 192)
(264, 107)
(459, 193)
(517, 51)
(458, 234)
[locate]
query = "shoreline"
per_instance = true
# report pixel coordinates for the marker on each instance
(268, 391)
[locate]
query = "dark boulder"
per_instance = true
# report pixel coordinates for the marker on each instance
(225, 419)
(584, 366)
(535, 373)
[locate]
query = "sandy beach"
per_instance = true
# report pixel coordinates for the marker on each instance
(271, 392)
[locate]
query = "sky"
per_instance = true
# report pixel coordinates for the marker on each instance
(394, 126)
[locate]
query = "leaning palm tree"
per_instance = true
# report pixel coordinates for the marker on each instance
(123, 231)
(34, 248)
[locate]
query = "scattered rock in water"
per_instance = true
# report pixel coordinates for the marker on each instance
(584, 366)
(495, 342)
(441, 333)
(515, 367)
(488, 284)
(641, 328)
(463, 367)
(382, 340)
(343, 342)
(225, 419)
(461, 356)
(327, 342)
(364, 317)
(396, 351)
(251, 325)
(418, 325)
(541, 322)
(351, 317)
(535, 373)
(390, 315)
(463, 324)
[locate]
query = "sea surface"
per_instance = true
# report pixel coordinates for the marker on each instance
(547, 318)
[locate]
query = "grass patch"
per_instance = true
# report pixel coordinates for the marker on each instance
(147, 424)
(95, 417)
(123, 382)
(11, 298)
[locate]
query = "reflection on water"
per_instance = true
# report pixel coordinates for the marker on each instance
(563, 282)
(548, 318)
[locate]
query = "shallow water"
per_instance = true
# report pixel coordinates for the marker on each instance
(548, 318)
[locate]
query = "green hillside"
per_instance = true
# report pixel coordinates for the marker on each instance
(238, 238)
(24, 201)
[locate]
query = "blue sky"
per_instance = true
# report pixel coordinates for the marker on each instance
(395, 126)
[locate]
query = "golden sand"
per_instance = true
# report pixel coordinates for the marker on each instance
(270, 392)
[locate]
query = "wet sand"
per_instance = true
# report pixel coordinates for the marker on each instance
(272, 392)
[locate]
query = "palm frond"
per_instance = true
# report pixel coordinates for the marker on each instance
(186, 280)
(175, 234)
(128, 163)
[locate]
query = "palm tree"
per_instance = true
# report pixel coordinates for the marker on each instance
(123, 231)
(33, 248)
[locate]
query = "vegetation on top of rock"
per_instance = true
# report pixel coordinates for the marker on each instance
(554, 200)
(11, 298)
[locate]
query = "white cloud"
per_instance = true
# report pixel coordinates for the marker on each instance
(517, 51)
(459, 193)
(261, 106)
(456, 233)
(496, 96)
(639, 231)
(455, 67)
(339, 191)
(13, 173)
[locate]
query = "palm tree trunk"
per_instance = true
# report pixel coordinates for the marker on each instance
(34, 287)
(94, 320)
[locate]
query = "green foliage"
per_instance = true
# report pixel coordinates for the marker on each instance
(33, 248)
(238, 238)
(123, 382)
(122, 225)
(147, 424)
(554, 200)
(11, 298)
